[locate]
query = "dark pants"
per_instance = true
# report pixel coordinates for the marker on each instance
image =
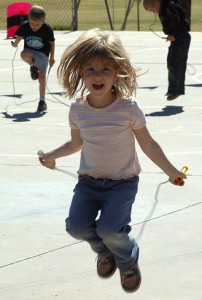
(177, 63)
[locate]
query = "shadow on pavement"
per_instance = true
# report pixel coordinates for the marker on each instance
(167, 111)
(24, 117)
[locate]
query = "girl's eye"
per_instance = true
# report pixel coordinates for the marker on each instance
(106, 69)
(89, 70)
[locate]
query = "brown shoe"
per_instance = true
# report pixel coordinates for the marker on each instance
(34, 72)
(131, 280)
(106, 266)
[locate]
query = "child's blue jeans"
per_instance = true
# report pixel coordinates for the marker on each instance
(100, 213)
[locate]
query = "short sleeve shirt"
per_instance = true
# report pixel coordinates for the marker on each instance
(108, 139)
(36, 40)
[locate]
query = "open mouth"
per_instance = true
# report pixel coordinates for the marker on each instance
(98, 86)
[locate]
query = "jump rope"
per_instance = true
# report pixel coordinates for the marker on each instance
(143, 223)
(14, 89)
(148, 218)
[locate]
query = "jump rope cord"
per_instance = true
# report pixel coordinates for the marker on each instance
(149, 216)
(14, 91)
(148, 219)
(13, 70)
(13, 83)
(150, 27)
(57, 99)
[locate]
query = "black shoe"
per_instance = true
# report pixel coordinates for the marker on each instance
(42, 106)
(131, 280)
(106, 266)
(34, 72)
(173, 96)
(169, 94)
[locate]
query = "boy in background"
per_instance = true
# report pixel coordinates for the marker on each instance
(38, 49)
(176, 25)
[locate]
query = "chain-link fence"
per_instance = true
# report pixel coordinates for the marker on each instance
(82, 15)
(108, 14)
(103, 14)
(58, 13)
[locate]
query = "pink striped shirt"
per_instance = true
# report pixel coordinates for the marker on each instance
(108, 140)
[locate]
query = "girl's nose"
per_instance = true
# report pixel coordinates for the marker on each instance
(98, 73)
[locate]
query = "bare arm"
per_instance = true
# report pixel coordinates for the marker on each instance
(70, 147)
(17, 40)
(52, 52)
(153, 150)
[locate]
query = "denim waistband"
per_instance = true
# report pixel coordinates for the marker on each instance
(101, 179)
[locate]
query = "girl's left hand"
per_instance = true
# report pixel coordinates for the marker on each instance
(179, 179)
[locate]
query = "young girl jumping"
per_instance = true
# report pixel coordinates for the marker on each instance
(105, 121)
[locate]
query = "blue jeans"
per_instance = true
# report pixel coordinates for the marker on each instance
(100, 213)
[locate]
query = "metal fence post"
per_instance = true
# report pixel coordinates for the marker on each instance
(75, 15)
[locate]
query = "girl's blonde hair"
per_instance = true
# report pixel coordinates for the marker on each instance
(96, 44)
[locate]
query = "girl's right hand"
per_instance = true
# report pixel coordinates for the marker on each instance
(46, 162)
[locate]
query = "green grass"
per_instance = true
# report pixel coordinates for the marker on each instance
(93, 14)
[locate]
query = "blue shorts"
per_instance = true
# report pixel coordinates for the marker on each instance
(39, 58)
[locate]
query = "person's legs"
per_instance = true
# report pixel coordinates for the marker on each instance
(81, 222)
(181, 50)
(172, 76)
(108, 234)
(27, 57)
(177, 63)
(117, 198)
(42, 89)
(42, 84)
(38, 71)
